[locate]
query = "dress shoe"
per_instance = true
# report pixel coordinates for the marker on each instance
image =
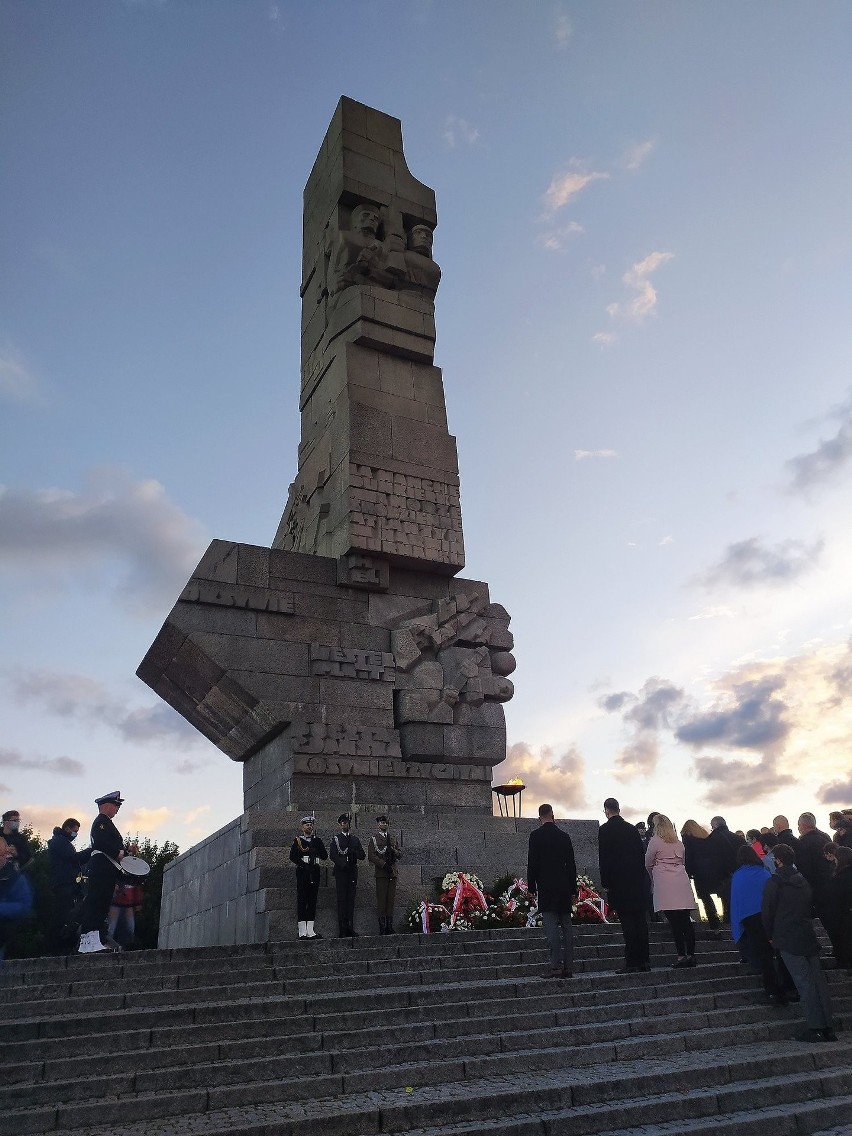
(813, 1035)
(566, 974)
(828, 1034)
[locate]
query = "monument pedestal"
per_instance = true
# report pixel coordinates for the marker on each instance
(238, 885)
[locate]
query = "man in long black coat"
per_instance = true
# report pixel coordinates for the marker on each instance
(723, 845)
(622, 863)
(552, 875)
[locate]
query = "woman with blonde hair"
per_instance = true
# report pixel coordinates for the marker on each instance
(700, 867)
(672, 890)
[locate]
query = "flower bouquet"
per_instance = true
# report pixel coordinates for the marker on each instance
(590, 907)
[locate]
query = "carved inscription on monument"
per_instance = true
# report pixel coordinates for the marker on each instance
(340, 662)
(389, 767)
(239, 595)
(365, 572)
(345, 741)
(409, 516)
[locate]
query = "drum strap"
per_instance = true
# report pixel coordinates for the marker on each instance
(115, 863)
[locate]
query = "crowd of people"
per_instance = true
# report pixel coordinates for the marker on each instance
(772, 886)
(93, 905)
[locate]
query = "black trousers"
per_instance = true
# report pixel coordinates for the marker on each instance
(634, 928)
(346, 883)
(682, 930)
(65, 899)
(307, 886)
(103, 876)
(776, 977)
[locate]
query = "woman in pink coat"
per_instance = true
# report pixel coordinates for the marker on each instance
(672, 889)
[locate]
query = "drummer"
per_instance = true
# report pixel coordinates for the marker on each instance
(103, 872)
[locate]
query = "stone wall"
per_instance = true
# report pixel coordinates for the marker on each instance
(238, 885)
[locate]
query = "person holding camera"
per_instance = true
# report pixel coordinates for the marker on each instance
(346, 851)
(383, 853)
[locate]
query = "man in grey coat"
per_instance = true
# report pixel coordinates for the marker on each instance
(786, 913)
(552, 875)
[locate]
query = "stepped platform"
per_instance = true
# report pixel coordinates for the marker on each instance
(412, 1034)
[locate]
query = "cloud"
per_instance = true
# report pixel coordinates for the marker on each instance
(613, 702)
(841, 675)
(828, 459)
(115, 521)
(738, 782)
(635, 155)
(17, 381)
(567, 185)
(837, 792)
(458, 131)
(559, 780)
(750, 716)
(75, 696)
(44, 818)
(666, 540)
(604, 338)
(644, 302)
(581, 455)
(644, 715)
(718, 611)
(562, 30)
(61, 766)
(143, 821)
(557, 239)
(748, 563)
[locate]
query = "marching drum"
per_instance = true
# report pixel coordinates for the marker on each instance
(134, 867)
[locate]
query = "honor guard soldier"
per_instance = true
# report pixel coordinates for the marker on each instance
(104, 870)
(383, 853)
(346, 850)
(306, 852)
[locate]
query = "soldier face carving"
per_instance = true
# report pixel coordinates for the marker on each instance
(421, 240)
(365, 219)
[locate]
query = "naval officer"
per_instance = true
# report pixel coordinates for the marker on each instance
(103, 872)
(306, 851)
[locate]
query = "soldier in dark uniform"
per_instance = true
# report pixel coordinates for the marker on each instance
(383, 853)
(103, 872)
(346, 850)
(307, 849)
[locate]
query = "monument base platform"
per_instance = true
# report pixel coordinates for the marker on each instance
(238, 885)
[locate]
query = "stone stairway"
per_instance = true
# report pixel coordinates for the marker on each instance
(411, 1034)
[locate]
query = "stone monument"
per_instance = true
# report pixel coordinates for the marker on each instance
(348, 666)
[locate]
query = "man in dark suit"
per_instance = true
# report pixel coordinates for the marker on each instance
(552, 875)
(623, 875)
(723, 845)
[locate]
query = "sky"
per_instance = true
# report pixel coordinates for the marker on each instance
(643, 324)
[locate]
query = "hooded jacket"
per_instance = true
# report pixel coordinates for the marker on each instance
(64, 860)
(786, 912)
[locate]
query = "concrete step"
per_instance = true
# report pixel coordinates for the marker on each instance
(355, 1054)
(724, 1086)
(400, 1033)
(446, 1018)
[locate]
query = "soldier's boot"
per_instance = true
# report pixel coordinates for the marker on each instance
(382, 924)
(342, 931)
(303, 929)
(389, 925)
(90, 943)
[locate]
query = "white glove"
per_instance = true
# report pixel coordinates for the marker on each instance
(306, 859)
